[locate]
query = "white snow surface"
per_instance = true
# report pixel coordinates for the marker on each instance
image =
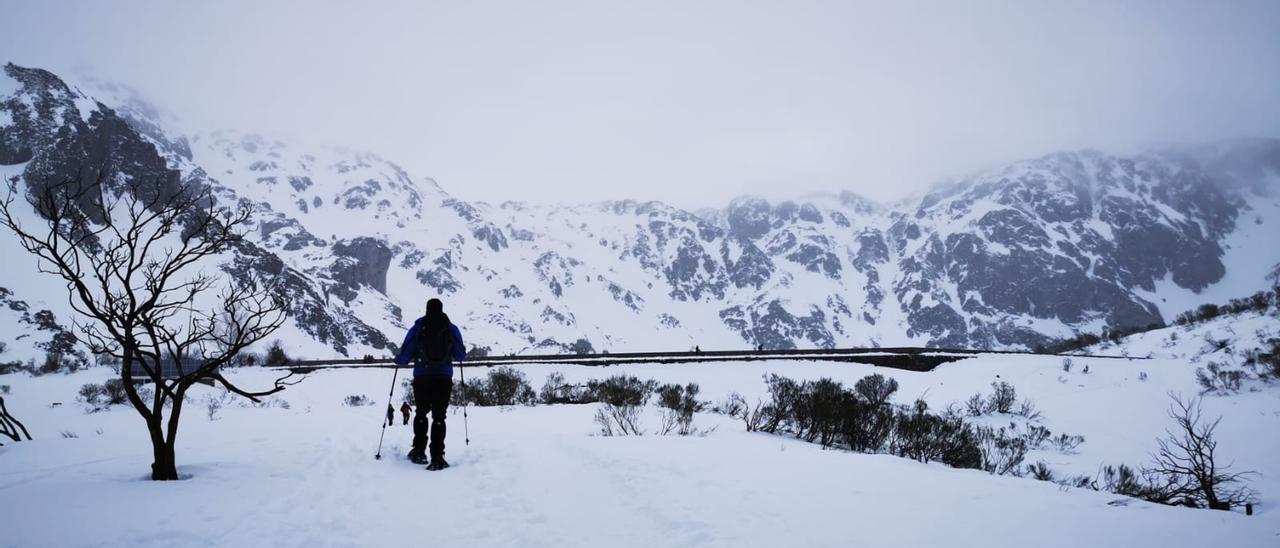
(539, 476)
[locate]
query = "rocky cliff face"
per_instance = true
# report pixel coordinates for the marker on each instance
(1009, 258)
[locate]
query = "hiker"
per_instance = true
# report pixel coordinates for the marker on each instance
(391, 415)
(404, 410)
(432, 345)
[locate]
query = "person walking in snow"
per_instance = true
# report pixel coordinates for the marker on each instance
(432, 345)
(404, 410)
(391, 415)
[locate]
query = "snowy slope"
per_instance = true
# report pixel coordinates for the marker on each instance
(537, 476)
(1014, 257)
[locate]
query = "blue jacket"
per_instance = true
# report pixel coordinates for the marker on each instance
(442, 369)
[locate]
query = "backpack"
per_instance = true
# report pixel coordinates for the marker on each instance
(435, 341)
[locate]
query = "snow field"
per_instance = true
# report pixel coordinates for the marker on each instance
(538, 476)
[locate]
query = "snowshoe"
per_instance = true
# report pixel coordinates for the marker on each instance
(437, 464)
(417, 457)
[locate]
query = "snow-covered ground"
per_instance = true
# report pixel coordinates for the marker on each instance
(538, 476)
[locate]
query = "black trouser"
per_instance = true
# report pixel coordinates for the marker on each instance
(430, 393)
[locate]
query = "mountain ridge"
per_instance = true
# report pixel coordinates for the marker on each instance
(1012, 257)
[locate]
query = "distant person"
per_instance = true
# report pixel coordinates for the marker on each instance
(432, 344)
(404, 410)
(391, 415)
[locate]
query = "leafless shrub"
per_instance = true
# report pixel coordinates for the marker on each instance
(1065, 443)
(1003, 398)
(619, 420)
(1040, 471)
(1186, 461)
(678, 403)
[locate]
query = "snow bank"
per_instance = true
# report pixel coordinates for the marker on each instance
(537, 476)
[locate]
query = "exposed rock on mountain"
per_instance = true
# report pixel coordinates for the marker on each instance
(1013, 257)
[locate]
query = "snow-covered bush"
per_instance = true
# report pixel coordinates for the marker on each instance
(1066, 443)
(1003, 398)
(4, 389)
(555, 390)
(976, 405)
(1267, 359)
(503, 386)
(1184, 471)
(1027, 410)
(114, 393)
(357, 400)
(91, 395)
(732, 406)
(736, 406)
(406, 391)
(1216, 377)
(212, 406)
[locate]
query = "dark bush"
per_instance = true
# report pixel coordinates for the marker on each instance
(113, 392)
(1208, 312)
(1268, 358)
(52, 363)
(621, 399)
(1040, 471)
(976, 405)
(1002, 450)
(503, 386)
(866, 427)
(1065, 443)
(926, 437)
(1003, 398)
(622, 390)
(478, 352)
(1214, 378)
(876, 389)
(555, 390)
(581, 346)
(679, 403)
(276, 355)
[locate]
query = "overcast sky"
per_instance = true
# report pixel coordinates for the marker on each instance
(688, 102)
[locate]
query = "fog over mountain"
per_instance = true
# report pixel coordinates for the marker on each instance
(692, 104)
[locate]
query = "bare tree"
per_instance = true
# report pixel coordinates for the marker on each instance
(10, 427)
(1185, 466)
(130, 253)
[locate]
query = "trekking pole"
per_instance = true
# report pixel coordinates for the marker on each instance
(466, 430)
(396, 371)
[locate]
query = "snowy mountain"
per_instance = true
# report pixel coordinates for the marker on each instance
(1014, 257)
